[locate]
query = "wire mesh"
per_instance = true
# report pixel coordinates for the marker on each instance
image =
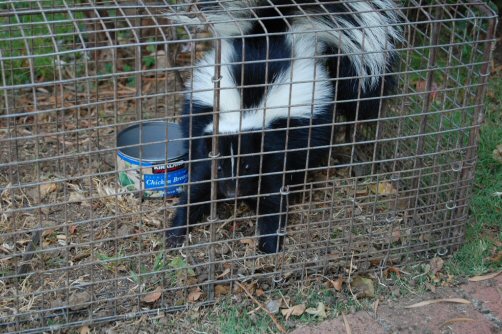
(77, 246)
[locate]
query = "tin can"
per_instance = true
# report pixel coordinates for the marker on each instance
(151, 158)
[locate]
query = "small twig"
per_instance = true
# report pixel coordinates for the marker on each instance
(225, 223)
(451, 321)
(333, 283)
(379, 276)
(349, 282)
(274, 319)
(25, 266)
(347, 326)
(375, 306)
(198, 332)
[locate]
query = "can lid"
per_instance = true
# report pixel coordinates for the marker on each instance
(152, 146)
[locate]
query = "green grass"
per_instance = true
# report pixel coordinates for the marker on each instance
(30, 34)
(237, 320)
(484, 231)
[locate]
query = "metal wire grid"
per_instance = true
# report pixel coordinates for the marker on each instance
(75, 248)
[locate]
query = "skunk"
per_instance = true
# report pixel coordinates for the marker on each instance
(287, 66)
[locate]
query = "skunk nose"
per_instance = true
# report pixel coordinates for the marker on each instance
(230, 193)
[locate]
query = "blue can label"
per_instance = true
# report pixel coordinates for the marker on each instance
(171, 182)
(156, 180)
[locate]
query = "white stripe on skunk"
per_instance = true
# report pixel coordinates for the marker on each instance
(366, 43)
(301, 91)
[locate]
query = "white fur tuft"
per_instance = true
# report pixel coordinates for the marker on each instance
(201, 89)
(368, 43)
(301, 91)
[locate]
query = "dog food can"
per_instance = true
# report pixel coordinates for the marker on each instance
(151, 158)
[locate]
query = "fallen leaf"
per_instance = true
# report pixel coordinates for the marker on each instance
(496, 258)
(251, 287)
(497, 153)
(337, 284)
(364, 287)
(194, 295)
(72, 229)
(319, 312)
(122, 268)
(259, 292)
(396, 234)
(224, 273)
(296, 310)
(76, 197)
(45, 189)
(451, 321)
(153, 296)
(435, 301)
(220, 290)
(80, 300)
(484, 277)
(383, 188)
(375, 306)
(421, 86)
(391, 270)
(47, 232)
(430, 287)
(248, 242)
(84, 330)
(436, 265)
(497, 68)
(361, 192)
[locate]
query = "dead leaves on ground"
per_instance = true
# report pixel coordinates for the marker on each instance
(337, 284)
(433, 89)
(436, 265)
(194, 295)
(221, 290)
(38, 194)
(392, 270)
(296, 310)
(383, 188)
(319, 311)
(497, 153)
(84, 330)
(363, 287)
(153, 296)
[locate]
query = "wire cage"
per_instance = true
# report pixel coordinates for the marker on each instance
(81, 242)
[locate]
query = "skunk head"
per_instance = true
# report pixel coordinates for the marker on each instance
(239, 165)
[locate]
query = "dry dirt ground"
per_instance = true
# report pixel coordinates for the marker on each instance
(483, 315)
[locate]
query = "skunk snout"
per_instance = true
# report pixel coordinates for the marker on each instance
(230, 193)
(229, 189)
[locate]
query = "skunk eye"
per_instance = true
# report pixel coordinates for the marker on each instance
(219, 168)
(246, 166)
